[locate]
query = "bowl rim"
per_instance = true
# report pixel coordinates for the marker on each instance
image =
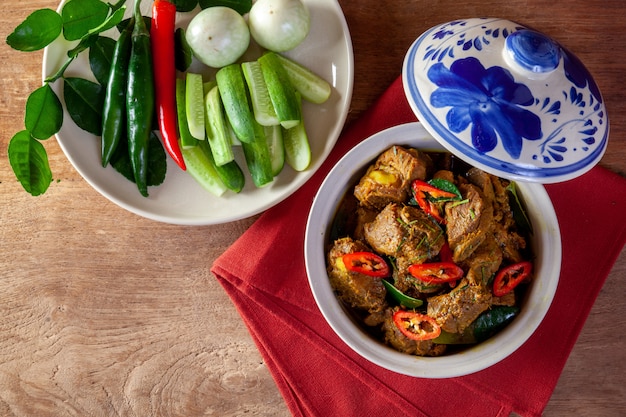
(468, 361)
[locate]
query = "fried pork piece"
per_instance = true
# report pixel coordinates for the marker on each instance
(457, 309)
(413, 287)
(394, 337)
(506, 300)
(494, 189)
(484, 262)
(363, 216)
(389, 179)
(469, 223)
(353, 288)
(444, 174)
(406, 233)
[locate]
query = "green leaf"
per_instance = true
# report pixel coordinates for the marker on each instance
(36, 32)
(446, 186)
(84, 100)
(147, 20)
(44, 113)
(157, 161)
(111, 22)
(519, 213)
(486, 325)
(85, 43)
(493, 320)
(183, 52)
(29, 161)
(81, 16)
(399, 296)
(100, 57)
(241, 6)
(185, 5)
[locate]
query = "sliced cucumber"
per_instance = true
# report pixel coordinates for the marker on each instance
(262, 106)
(274, 138)
(216, 128)
(202, 169)
(234, 140)
(232, 176)
(311, 86)
(234, 94)
(186, 140)
(297, 148)
(208, 86)
(258, 160)
(282, 93)
(194, 105)
(230, 173)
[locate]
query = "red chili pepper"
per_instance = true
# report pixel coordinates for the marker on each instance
(367, 263)
(436, 272)
(416, 326)
(421, 189)
(424, 187)
(445, 253)
(510, 276)
(163, 64)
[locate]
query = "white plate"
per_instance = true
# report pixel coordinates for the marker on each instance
(327, 50)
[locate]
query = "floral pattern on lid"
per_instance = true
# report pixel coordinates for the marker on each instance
(507, 99)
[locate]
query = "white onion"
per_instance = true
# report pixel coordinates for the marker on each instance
(279, 25)
(218, 36)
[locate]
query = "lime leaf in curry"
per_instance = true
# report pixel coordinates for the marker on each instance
(486, 325)
(400, 297)
(447, 186)
(519, 213)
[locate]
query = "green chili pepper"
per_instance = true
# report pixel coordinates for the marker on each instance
(114, 111)
(140, 101)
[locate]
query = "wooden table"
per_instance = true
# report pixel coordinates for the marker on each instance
(105, 313)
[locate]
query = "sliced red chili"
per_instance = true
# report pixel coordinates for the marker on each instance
(510, 277)
(416, 326)
(445, 253)
(436, 272)
(424, 187)
(367, 263)
(421, 189)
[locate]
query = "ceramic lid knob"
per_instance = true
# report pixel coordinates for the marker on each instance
(527, 50)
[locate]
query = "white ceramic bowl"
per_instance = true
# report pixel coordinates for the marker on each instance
(546, 243)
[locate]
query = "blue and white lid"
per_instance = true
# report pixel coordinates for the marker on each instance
(507, 99)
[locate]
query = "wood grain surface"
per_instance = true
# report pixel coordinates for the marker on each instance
(104, 313)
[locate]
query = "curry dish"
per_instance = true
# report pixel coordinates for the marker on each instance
(429, 254)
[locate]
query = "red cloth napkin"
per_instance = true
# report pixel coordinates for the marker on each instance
(318, 375)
